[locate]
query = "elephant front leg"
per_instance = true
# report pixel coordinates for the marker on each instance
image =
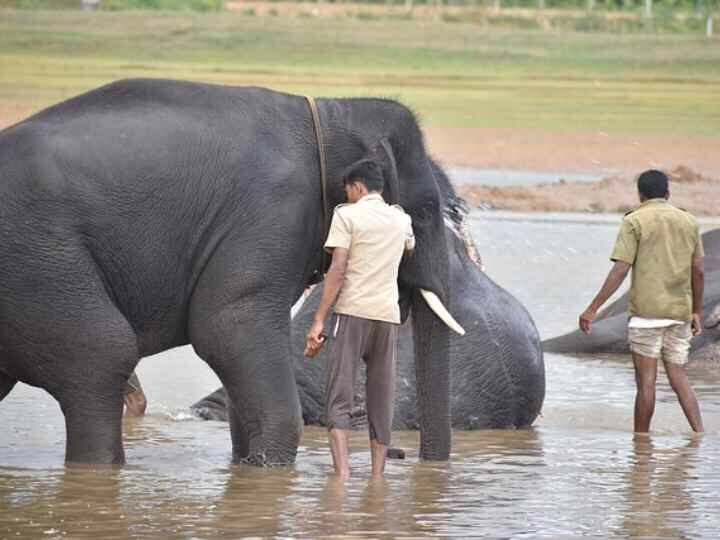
(248, 346)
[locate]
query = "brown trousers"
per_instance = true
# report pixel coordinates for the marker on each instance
(374, 342)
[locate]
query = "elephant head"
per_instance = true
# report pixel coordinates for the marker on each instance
(389, 132)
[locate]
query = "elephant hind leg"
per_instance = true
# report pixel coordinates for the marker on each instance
(6, 384)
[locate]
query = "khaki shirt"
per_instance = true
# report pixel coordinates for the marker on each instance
(376, 235)
(659, 241)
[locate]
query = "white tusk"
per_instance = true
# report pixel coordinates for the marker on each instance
(441, 311)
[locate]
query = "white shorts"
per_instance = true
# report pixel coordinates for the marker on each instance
(670, 343)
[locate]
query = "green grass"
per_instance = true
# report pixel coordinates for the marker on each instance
(451, 74)
(115, 5)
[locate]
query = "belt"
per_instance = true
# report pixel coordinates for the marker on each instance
(323, 182)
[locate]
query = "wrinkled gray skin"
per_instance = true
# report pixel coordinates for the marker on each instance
(609, 331)
(148, 214)
(497, 369)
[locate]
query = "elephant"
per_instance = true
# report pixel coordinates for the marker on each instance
(148, 214)
(609, 331)
(497, 372)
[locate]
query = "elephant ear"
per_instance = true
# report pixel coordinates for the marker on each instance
(383, 154)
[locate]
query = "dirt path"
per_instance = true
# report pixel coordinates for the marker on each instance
(593, 152)
(694, 164)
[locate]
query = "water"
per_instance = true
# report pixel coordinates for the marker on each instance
(578, 472)
(515, 177)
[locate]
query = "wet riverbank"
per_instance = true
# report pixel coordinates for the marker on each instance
(577, 473)
(525, 191)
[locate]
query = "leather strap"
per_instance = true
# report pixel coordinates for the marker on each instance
(323, 179)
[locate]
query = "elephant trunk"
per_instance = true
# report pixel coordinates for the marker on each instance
(432, 368)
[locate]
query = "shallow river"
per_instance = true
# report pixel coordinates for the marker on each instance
(578, 472)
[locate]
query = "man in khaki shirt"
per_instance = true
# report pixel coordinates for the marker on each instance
(367, 238)
(662, 245)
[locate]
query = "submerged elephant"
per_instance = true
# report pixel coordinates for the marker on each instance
(497, 371)
(609, 330)
(148, 214)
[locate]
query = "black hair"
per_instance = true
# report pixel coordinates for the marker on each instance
(653, 184)
(366, 171)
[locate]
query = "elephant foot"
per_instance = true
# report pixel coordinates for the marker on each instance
(276, 447)
(94, 435)
(395, 453)
(266, 458)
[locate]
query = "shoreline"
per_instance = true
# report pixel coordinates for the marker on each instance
(694, 192)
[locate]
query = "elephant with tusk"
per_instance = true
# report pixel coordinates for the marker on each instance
(149, 214)
(497, 373)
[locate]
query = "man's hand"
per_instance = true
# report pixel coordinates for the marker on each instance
(696, 324)
(315, 339)
(613, 280)
(586, 319)
(333, 282)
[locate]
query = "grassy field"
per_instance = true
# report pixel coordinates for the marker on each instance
(453, 75)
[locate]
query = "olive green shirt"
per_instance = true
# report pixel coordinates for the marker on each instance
(659, 241)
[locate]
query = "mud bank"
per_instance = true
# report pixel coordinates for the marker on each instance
(690, 190)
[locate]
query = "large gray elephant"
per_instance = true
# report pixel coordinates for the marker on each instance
(609, 331)
(148, 214)
(497, 371)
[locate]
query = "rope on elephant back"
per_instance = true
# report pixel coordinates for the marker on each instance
(323, 178)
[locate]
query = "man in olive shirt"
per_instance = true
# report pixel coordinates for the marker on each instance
(662, 245)
(368, 238)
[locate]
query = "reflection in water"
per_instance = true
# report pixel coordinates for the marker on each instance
(50, 509)
(659, 502)
(428, 490)
(254, 502)
(578, 473)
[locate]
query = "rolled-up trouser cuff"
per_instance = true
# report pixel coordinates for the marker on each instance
(340, 423)
(383, 438)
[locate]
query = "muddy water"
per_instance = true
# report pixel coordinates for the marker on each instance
(577, 473)
(514, 177)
